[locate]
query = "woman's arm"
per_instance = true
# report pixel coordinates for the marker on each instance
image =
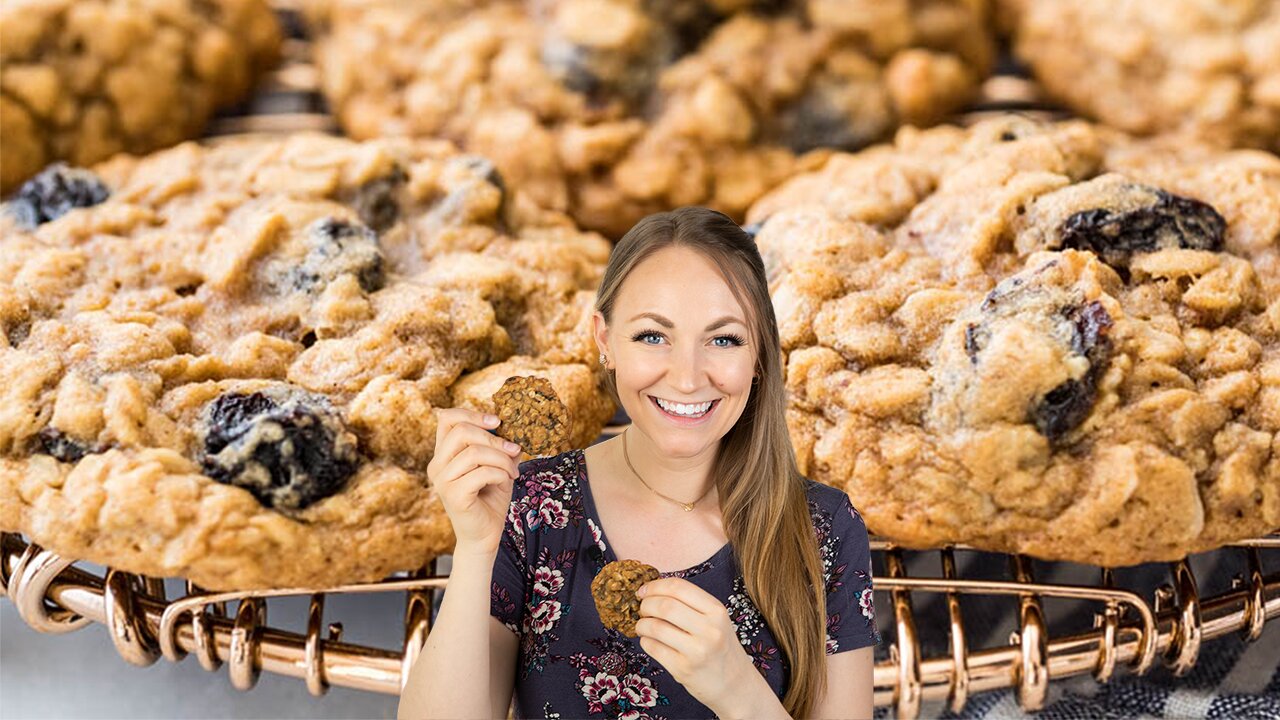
(466, 669)
(850, 685)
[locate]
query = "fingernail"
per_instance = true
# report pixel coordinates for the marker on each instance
(510, 446)
(641, 592)
(490, 419)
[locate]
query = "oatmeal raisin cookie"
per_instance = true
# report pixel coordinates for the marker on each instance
(1040, 338)
(1208, 68)
(614, 590)
(223, 362)
(83, 80)
(614, 109)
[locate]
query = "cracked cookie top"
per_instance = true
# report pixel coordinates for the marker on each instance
(84, 80)
(614, 109)
(224, 361)
(1210, 69)
(1041, 338)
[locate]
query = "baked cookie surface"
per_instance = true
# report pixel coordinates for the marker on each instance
(614, 590)
(223, 362)
(1050, 339)
(615, 109)
(532, 415)
(83, 80)
(1212, 69)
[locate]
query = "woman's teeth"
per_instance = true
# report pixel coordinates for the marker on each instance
(683, 410)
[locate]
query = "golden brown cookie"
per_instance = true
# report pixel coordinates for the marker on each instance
(614, 590)
(86, 79)
(1051, 339)
(532, 416)
(224, 362)
(615, 109)
(1210, 69)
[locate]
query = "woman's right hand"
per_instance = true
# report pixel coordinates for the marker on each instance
(472, 471)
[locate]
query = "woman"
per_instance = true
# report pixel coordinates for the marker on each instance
(703, 486)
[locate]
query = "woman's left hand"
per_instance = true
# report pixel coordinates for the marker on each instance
(688, 631)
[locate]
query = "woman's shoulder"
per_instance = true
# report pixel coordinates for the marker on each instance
(827, 497)
(568, 464)
(831, 507)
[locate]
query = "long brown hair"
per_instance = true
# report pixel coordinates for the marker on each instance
(762, 493)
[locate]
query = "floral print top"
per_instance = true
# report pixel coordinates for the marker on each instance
(571, 666)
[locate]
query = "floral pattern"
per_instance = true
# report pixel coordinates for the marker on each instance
(553, 546)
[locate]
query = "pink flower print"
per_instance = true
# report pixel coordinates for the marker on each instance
(832, 646)
(612, 663)
(635, 715)
(600, 690)
(549, 481)
(553, 513)
(639, 691)
(596, 535)
(867, 603)
(545, 615)
(547, 582)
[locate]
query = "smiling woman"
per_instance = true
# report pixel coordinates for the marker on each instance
(765, 576)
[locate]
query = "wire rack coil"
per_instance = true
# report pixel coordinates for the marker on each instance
(1131, 634)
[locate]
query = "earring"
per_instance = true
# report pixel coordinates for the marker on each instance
(755, 379)
(604, 360)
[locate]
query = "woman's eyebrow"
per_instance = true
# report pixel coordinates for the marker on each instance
(727, 319)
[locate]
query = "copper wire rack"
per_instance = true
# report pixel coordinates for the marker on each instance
(1134, 629)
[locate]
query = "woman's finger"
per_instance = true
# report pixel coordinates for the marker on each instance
(660, 651)
(669, 635)
(686, 592)
(473, 483)
(472, 457)
(464, 427)
(674, 611)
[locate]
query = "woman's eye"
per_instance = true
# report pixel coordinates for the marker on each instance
(729, 341)
(645, 337)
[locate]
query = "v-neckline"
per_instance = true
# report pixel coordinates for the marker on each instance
(589, 506)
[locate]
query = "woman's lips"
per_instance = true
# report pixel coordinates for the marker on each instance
(681, 419)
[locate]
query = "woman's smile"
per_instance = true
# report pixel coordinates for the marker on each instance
(685, 414)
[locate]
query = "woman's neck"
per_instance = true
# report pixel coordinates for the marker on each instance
(685, 479)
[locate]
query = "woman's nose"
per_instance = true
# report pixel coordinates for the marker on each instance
(686, 370)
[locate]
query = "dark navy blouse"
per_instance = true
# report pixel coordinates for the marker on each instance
(571, 666)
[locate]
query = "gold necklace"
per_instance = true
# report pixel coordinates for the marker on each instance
(688, 507)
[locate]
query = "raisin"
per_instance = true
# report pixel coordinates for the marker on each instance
(827, 116)
(18, 332)
(61, 446)
(375, 201)
(289, 449)
(340, 247)
(692, 21)
(1063, 408)
(602, 76)
(1145, 220)
(973, 341)
(486, 169)
(54, 192)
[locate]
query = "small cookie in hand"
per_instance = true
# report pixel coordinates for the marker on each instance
(614, 590)
(532, 415)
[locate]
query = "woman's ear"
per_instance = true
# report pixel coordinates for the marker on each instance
(600, 330)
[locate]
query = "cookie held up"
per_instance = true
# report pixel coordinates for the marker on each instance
(614, 590)
(532, 416)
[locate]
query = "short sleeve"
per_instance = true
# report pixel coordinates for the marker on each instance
(509, 583)
(851, 613)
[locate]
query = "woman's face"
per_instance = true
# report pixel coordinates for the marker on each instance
(679, 341)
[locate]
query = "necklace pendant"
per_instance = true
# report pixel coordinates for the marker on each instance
(687, 507)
